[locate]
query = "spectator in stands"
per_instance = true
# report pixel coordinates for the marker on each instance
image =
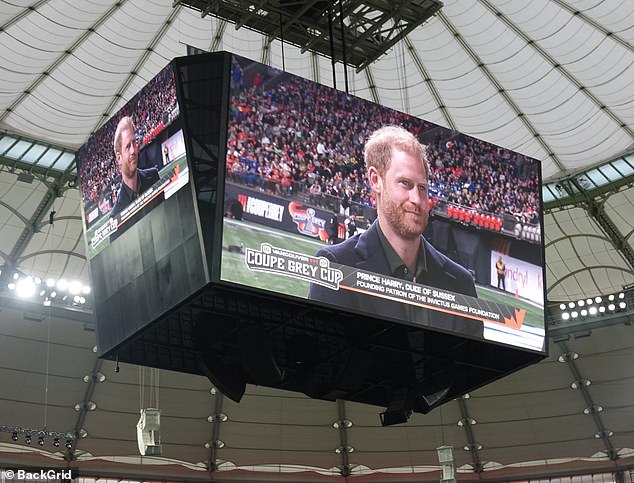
(134, 181)
(398, 173)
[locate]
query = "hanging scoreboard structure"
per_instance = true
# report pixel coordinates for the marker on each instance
(213, 203)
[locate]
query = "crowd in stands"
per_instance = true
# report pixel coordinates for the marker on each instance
(99, 176)
(288, 134)
(486, 178)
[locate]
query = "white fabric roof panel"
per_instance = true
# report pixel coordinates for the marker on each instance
(581, 260)
(486, 61)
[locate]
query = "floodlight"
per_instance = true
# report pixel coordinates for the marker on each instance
(584, 312)
(62, 284)
(574, 314)
(562, 306)
(565, 316)
(25, 287)
(593, 310)
(611, 307)
(74, 287)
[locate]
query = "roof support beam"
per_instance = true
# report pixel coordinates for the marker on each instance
(215, 432)
(500, 89)
(557, 66)
(26, 11)
(574, 198)
(216, 42)
(614, 36)
(30, 229)
(128, 80)
(478, 467)
(590, 405)
(59, 60)
(345, 468)
(83, 411)
(372, 85)
(430, 83)
(595, 208)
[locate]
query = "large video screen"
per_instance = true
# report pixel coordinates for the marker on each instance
(350, 204)
(132, 163)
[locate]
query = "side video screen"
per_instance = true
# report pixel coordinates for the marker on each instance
(132, 163)
(350, 204)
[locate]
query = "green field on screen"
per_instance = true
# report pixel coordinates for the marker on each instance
(252, 235)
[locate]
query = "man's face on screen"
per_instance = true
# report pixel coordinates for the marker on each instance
(404, 195)
(127, 158)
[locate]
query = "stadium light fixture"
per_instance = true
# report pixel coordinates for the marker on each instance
(74, 287)
(25, 287)
(565, 316)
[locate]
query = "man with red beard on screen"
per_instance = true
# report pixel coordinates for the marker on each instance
(398, 173)
(134, 181)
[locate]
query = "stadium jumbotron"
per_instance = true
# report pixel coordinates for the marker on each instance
(549, 81)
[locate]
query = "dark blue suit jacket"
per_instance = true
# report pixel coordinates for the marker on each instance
(147, 177)
(364, 251)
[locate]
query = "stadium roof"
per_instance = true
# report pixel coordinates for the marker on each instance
(551, 79)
